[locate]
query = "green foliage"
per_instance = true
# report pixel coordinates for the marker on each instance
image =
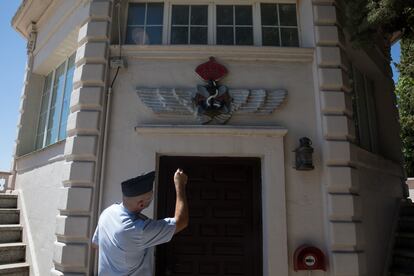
(406, 65)
(366, 18)
(405, 101)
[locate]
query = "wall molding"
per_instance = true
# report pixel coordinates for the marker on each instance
(233, 53)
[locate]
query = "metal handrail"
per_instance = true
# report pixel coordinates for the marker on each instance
(4, 184)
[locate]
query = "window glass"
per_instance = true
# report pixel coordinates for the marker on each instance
(66, 98)
(269, 15)
(189, 24)
(179, 35)
(145, 23)
(55, 106)
(243, 15)
(270, 36)
(234, 25)
(289, 37)
(155, 14)
(287, 14)
(279, 25)
(225, 15)
(198, 35)
(244, 36)
(365, 119)
(199, 15)
(54, 110)
(180, 14)
(225, 36)
(43, 111)
(136, 14)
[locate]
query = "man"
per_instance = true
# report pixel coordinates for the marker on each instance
(125, 238)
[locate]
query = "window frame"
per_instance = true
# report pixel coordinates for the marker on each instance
(212, 20)
(365, 110)
(234, 26)
(49, 105)
(190, 4)
(145, 25)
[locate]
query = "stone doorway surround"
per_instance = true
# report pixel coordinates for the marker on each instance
(265, 142)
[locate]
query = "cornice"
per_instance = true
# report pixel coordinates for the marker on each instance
(211, 130)
(237, 53)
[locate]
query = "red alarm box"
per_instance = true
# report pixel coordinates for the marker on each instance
(309, 258)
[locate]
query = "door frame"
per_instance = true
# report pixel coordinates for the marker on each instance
(265, 143)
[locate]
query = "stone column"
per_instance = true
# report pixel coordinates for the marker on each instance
(344, 212)
(31, 44)
(74, 230)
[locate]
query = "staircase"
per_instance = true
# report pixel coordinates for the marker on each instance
(12, 249)
(403, 252)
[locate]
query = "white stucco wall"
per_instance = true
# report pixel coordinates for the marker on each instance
(40, 173)
(57, 34)
(305, 216)
(126, 152)
(379, 175)
(380, 183)
(39, 180)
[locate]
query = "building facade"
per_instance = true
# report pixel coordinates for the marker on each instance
(115, 88)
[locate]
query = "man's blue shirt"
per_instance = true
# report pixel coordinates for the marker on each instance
(126, 241)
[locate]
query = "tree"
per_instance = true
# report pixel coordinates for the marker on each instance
(365, 18)
(369, 19)
(405, 101)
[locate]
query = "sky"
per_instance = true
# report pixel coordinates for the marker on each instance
(13, 62)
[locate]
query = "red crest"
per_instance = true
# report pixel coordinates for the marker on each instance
(211, 70)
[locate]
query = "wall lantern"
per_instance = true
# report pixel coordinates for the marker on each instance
(303, 155)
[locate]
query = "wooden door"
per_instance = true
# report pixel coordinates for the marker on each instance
(224, 234)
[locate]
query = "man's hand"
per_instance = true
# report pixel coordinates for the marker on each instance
(180, 179)
(181, 207)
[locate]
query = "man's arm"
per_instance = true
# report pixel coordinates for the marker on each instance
(181, 205)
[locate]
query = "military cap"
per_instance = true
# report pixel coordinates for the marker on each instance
(138, 185)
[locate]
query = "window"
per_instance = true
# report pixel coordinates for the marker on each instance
(234, 25)
(189, 24)
(279, 25)
(145, 23)
(268, 24)
(364, 111)
(54, 110)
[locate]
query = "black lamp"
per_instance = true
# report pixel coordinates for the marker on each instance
(303, 155)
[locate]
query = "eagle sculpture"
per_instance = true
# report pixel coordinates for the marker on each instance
(211, 103)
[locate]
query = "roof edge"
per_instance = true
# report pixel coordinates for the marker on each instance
(17, 15)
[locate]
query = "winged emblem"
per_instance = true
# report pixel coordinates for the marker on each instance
(182, 102)
(212, 103)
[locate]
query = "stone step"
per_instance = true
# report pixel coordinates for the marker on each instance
(10, 233)
(404, 253)
(9, 216)
(12, 253)
(15, 269)
(407, 210)
(8, 201)
(395, 271)
(406, 224)
(403, 260)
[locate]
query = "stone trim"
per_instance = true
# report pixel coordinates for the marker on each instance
(344, 214)
(72, 253)
(234, 53)
(271, 131)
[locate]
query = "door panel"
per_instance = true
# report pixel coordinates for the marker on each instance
(224, 235)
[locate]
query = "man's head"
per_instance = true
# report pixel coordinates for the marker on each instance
(137, 203)
(137, 192)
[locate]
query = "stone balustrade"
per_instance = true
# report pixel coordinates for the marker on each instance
(4, 179)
